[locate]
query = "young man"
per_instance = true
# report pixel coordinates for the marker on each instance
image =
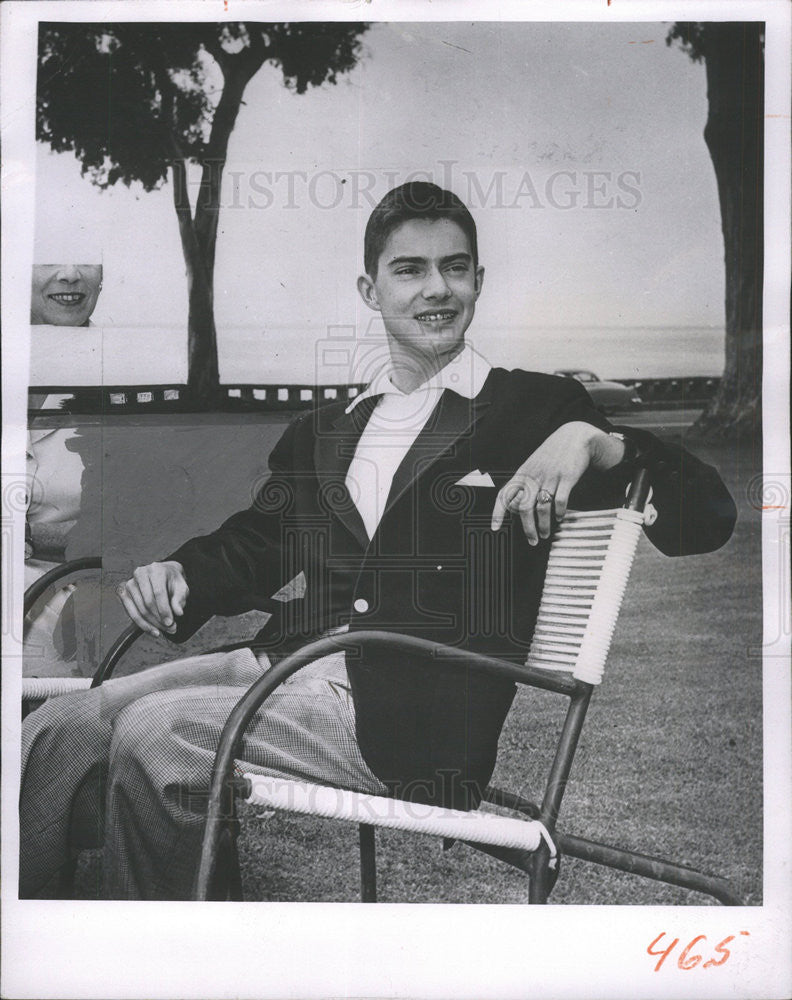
(396, 509)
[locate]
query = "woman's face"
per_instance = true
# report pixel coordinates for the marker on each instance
(64, 294)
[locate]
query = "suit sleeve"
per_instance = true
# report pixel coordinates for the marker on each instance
(240, 565)
(696, 512)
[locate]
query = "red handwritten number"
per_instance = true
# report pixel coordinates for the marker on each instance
(663, 954)
(687, 961)
(690, 963)
(720, 949)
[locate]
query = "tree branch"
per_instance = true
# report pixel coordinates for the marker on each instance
(168, 92)
(238, 73)
(191, 246)
(258, 50)
(212, 45)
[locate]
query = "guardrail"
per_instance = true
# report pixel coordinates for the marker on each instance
(684, 391)
(178, 399)
(655, 393)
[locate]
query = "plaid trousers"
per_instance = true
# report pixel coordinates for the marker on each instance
(118, 764)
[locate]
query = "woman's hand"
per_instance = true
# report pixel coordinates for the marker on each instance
(542, 484)
(154, 596)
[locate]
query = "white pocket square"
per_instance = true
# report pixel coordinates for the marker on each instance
(476, 478)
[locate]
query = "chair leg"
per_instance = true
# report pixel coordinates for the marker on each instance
(235, 892)
(226, 880)
(368, 863)
(540, 881)
(658, 869)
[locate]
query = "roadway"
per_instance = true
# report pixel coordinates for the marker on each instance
(658, 421)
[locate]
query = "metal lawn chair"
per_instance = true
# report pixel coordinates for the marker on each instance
(590, 560)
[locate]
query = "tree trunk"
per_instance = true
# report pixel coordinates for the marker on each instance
(734, 134)
(199, 239)
(203, 377)
(203, 374)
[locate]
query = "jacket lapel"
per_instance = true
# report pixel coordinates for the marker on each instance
(336, 438)
(453, 417)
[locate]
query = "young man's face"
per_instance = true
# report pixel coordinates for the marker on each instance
(64, 294)
(426, 288)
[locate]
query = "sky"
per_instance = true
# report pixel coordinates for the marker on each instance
(578, 147)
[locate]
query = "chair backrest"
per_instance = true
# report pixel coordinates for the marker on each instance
(587, 572)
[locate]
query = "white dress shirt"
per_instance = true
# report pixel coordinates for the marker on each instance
(396, 422)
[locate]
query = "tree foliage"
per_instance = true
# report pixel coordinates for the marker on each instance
(689, 35)
(139, 102)
(118, 95)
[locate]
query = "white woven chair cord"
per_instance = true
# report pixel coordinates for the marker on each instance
(379, 810)
(607, 604)
(584, 591)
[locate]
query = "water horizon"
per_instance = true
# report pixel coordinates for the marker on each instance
(254, 355)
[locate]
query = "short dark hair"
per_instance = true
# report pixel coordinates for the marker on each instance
(414, 200)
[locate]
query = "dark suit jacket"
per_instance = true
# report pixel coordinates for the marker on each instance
(433, 569)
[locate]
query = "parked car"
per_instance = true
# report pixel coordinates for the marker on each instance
(608, 397)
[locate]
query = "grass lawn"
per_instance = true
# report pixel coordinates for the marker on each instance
(670, 761)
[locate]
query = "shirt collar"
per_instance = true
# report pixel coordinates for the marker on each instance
(464, 374)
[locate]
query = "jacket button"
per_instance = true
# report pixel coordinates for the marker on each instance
(361, 605)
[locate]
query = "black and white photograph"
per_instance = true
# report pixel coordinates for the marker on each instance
(396, 499)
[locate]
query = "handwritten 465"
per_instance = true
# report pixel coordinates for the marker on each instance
(688, 958)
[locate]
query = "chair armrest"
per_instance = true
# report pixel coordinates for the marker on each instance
(39, 587)
(129, 636)
(451, 656)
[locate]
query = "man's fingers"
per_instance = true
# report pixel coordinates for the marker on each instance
(179, 592)
(520, 495)
(133, 609)
(525, 504)
(527, 509)
(546, 506)
(499, 511)
(153, 593)
(544, 521)
(561, 500)
(507, 499)
(129, 607)
(152, 624)
(535, 504)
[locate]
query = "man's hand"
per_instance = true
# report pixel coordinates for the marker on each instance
(154, 596)
(543, 482)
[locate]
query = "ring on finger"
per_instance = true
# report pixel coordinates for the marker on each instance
(543, 497)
